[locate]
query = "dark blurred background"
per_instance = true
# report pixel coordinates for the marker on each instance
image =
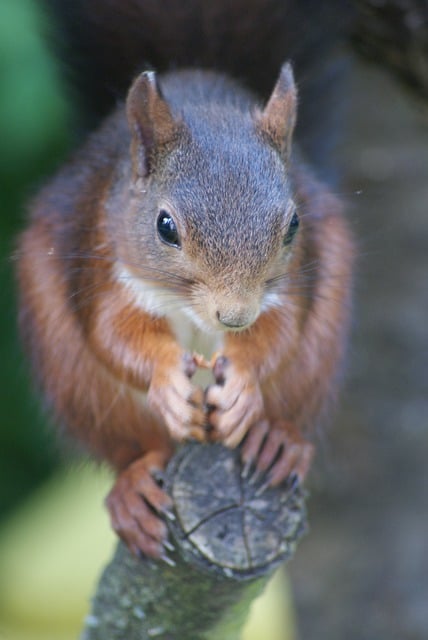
(362, 573)
(33, 138)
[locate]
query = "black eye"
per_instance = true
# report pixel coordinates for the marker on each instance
(167, 229)
(292, 229)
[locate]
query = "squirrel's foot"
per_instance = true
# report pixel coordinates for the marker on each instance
(234, 402)
(179, 402)
(136, 503)
(277, 452)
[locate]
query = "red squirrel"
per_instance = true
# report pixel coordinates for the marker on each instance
(187, 233)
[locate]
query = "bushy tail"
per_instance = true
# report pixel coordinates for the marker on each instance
(105, 43)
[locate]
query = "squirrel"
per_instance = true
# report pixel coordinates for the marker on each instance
(187, 233)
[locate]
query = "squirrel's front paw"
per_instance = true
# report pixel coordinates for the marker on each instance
(235, 402)
(136, 503)
(179, 402)
(277, 452)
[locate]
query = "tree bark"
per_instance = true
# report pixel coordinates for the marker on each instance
(229, 535)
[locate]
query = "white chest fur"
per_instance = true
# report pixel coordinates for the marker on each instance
(191, 338)
(154, 301)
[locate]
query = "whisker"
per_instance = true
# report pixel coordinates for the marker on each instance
(143, 270)
(166, 301)
(109, 408)
(304, 279)
(309, 296)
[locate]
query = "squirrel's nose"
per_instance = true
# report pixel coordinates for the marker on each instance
(236, 318)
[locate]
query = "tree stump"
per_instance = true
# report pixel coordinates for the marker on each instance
(228, 534)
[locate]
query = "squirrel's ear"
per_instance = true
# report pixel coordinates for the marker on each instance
(278, 118)
(152, 125)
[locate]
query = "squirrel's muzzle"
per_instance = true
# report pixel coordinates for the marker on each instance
(237, 318)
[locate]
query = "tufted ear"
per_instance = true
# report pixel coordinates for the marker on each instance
(278, 118)
(153, 127)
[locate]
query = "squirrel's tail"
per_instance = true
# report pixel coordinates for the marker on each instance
(105, 43)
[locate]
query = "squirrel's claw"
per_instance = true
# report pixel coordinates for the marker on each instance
(133, 504)
(178, 401)
(278, 450)
(235, 402)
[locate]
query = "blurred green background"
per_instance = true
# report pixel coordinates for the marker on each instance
(33, 137)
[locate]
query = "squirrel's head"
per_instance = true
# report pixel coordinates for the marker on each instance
(212, 201)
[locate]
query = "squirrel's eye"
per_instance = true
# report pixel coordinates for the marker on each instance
(292, 229)
(167, 229)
